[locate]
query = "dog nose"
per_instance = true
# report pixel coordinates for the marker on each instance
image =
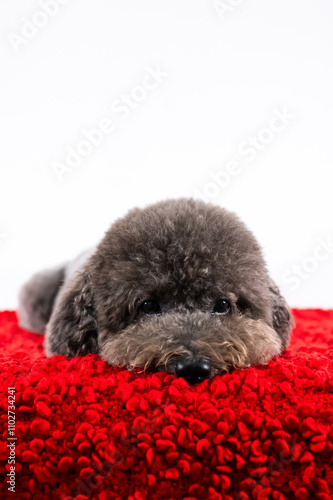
(193, 370)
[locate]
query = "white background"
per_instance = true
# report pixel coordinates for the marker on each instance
(227, 72)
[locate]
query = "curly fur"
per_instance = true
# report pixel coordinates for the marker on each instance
(160, 341)
(186, 255)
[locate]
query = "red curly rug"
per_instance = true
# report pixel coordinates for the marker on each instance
(88, 431)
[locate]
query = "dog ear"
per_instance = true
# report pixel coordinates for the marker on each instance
(281, 315)
(72, 329)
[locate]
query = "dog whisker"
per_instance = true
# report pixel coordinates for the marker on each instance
(226, 353)
(172, 353)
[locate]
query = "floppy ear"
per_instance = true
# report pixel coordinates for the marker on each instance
(72, 329)
(281, 315)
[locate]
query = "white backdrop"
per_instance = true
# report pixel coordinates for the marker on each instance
(108, 104)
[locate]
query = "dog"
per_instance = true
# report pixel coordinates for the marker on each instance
(178, 286)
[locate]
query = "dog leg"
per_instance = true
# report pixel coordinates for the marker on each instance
(37, 296)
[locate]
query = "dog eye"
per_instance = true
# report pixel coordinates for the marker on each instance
(150, 307)
(222, 307)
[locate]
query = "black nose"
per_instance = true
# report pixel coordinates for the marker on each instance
(193, 370)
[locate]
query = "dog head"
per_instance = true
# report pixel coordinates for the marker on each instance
(179, 286)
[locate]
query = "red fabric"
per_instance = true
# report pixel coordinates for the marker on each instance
(88, 431)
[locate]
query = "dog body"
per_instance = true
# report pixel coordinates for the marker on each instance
(180, 286)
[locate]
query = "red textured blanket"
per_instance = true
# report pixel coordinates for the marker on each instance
(88, 431)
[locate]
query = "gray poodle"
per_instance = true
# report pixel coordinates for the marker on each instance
(179, 286)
